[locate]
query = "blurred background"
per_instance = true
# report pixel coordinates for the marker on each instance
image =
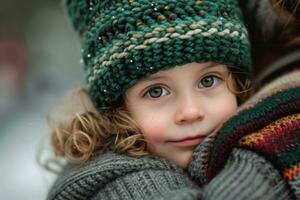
(39, 63)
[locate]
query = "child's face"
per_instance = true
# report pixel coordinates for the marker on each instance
(177, 108)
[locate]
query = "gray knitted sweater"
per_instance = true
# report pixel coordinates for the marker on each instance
(111, 176)
(245, 175)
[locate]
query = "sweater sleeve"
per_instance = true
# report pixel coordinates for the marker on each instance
(150, 184)
(257, 151)
(247, 176)
(112, 176)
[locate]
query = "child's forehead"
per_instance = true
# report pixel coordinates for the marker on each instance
(197, 67)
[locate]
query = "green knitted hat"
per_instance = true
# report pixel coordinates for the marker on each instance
(124, 41)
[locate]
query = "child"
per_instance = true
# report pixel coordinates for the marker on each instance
(163, 76)
(131, 50)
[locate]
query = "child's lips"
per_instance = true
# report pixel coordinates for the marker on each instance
(189, 141)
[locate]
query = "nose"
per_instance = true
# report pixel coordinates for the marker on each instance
(189, 111)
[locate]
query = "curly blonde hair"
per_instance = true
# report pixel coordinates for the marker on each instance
(89, 131)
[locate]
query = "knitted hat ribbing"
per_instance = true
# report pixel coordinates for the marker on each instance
(124, 41)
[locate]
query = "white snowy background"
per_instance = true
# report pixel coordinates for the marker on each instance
(53, 52)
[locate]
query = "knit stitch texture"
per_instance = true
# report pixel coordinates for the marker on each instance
(111, 176)
(124, 41)
(269, 126)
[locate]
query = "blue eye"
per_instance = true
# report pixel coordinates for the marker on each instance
(156, 92)
(208, 81)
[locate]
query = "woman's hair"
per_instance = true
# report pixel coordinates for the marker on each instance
(90, 132)
(274, 29)
(289, 9)
(289, 12)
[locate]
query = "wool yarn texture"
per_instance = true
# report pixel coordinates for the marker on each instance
(124, 41)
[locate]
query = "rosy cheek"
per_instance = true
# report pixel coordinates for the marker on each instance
(154, 132)
(222, 108)
(228, 111)
(155, 135)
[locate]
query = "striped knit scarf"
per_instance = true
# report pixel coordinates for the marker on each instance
(268, 124)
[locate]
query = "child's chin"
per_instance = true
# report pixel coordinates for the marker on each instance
(183, 163)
